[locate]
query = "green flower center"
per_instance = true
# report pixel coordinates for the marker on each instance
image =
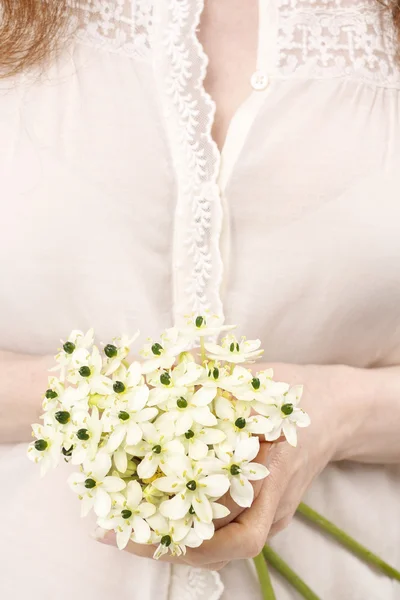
(200, 321)
(157, 449)
(215, 372)
(181, 403)
(62, 416)
(240, 423)
(234, 346)
(82, 434)
(287, 409)
(90, 484)
(255, 382)
(85, 372)
(123, 415)
(189, 434)
(118, 387)
(110, 350)
(165, 378)
(126, 514)
(235, 469)
(67, 452)
(166, 540)
(156, 349)
(50, 394)
(69, 347)
(191, 485)
(191, 510)
(41, 445)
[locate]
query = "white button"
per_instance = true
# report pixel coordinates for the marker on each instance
(259, 80)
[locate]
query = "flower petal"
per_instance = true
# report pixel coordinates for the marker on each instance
(214, 486)
(113, 484)
(102, 503)
(204, 416)
(203, 396)
(219, 510)
(141, 529)
(242, 492)
(134, 494)
(202, 507)
(170, 485)
(123, 537)
(133, 434)
(247, 449)
(205, 531)
(197, 449)
(148, 466)
(224, 409)
(121, 460)
(254, 471)
(176, 508)
(290, 432)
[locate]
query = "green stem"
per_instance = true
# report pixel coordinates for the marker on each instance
(264, 578)
(348, 542)
(291, 577)
(203, 350)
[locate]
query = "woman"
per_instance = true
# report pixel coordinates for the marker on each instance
(137, 186)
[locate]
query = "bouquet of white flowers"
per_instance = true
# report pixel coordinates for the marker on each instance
(159, 441)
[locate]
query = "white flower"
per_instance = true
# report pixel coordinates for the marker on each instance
(46, 449)
(87, 374)
(197, 439)
(117, 352)
(86, 435)
(155, 448)
(173, 536)
(205, 531)
(163, 355)
(285, 416)
(128, 517)
(238, 468)
(125, 419)
(185, 479)
(203, 325)
(189, 409)
(95, 486)
(258, 388)
(173, 383)
(74, 349)
(237, 421)
(233, 351)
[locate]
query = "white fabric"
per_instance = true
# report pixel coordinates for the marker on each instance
(118, 212)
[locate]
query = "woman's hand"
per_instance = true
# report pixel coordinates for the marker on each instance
(244, 533)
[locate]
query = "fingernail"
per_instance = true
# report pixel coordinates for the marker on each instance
(98, 534)
(108, 539)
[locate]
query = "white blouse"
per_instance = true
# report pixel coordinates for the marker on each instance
(118, 211)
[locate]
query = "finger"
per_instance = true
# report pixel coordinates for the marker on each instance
(242, 538)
